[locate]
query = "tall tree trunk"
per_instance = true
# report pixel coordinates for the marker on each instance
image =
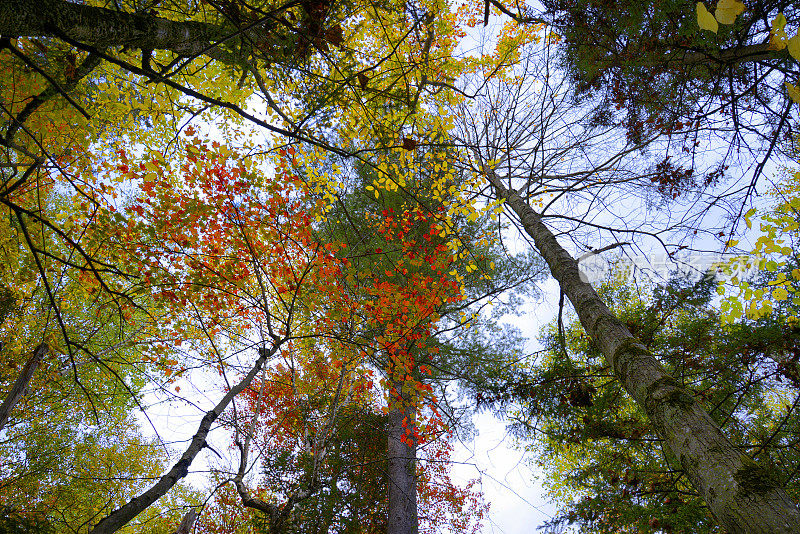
(402, 505)
(744, 497)
(102, 27)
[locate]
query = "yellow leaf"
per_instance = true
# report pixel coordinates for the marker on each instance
(706, 20)
(794, 92)
(728, 10)
(794, 47)
(777, 39)
(747, 216)
(778, 23)
(780, 293)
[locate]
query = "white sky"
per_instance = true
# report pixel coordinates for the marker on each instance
(518, 502)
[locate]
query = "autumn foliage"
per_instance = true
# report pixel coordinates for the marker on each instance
(228, 252)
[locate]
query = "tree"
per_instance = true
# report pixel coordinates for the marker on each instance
(71, 449)
(595, 446)
(436, 263)
(405, 282)
(225, 254)
(526, 163)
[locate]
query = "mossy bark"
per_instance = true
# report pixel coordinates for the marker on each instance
(101, 27)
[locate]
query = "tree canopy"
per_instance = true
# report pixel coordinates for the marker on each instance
(290, 223)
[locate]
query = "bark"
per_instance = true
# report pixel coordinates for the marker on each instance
(187, 522)
(726, 56)
(21, 384)
(744, 497)
(103, 27)
(121, 516)
(402, 503)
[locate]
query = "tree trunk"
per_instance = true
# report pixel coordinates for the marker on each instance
(101, 27)
(744, 497)
(21, 384)
(402, 484)
(187, 522)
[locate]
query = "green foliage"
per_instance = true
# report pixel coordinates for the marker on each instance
(71, 451)
(353, 486)
(600, 457)
(12, 522)
(644, 64)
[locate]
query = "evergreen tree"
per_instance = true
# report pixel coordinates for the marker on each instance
(597, 450)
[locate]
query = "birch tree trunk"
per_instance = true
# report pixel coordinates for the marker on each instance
(744, 497)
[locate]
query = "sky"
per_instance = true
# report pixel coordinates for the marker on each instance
(519, 503)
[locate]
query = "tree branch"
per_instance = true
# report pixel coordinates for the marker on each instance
(121, 516)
